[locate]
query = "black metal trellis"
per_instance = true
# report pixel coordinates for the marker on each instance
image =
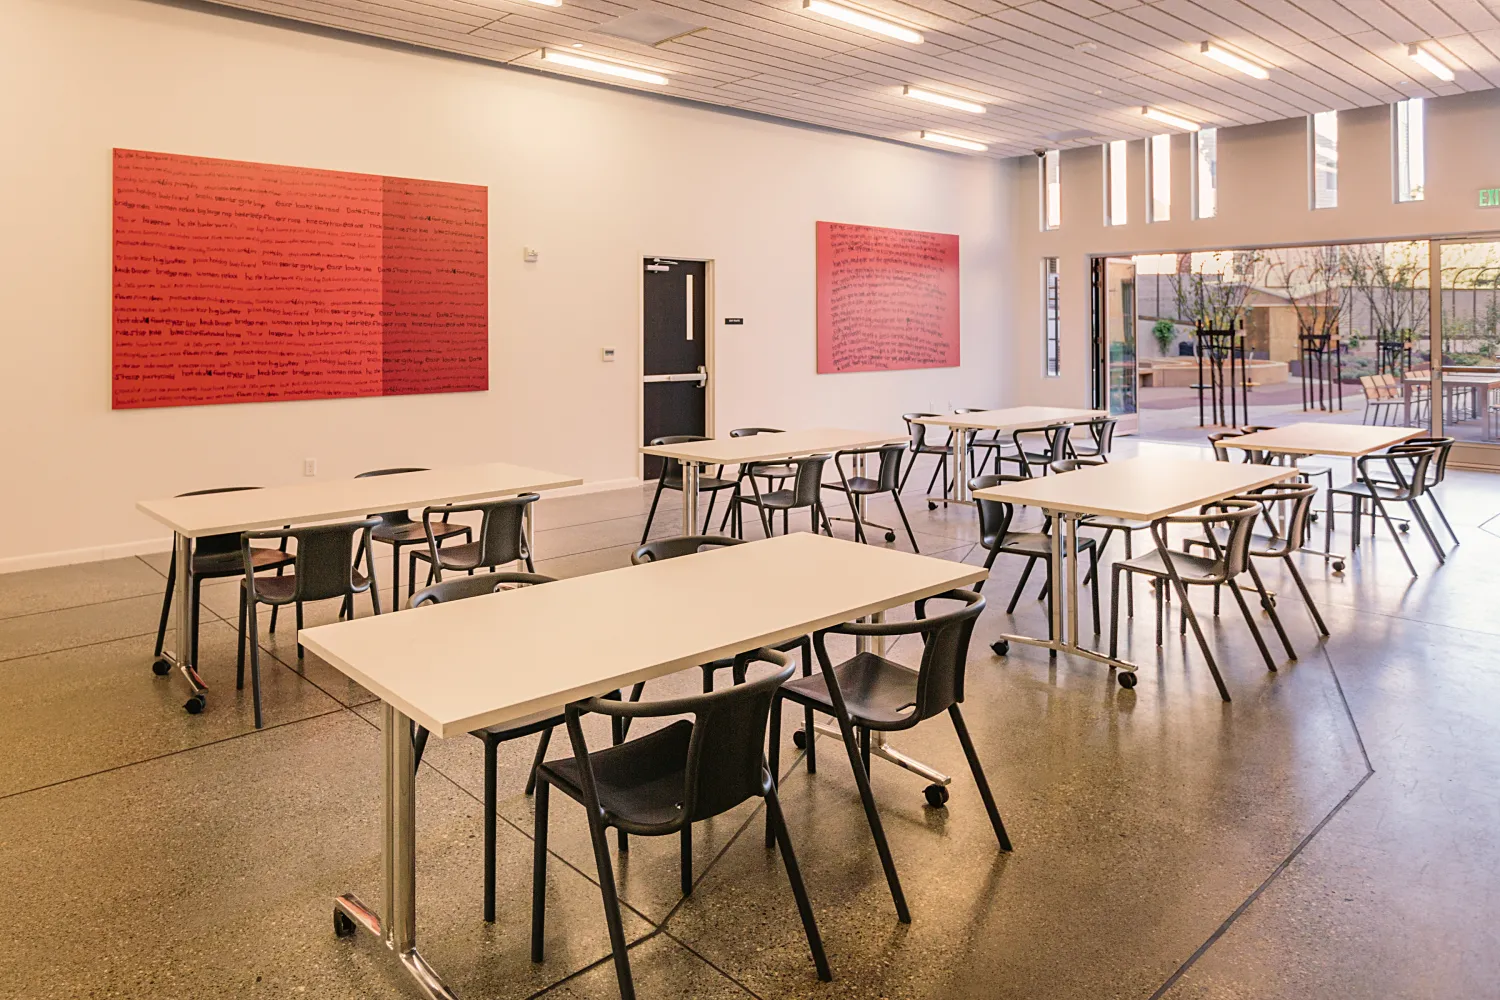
(1223, 375)
(1322, 370)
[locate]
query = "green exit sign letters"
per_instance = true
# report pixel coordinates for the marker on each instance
(1489, 197)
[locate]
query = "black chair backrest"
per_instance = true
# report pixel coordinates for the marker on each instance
(501, 527)
(1408, 465)
(1300, 497)
(917, 431)
(945, 652)
(807, 488)
(744, 432)
(1102, 430)
(1221, 454)
(994, 515)
(461, 587)
(325, 556)
(392, 516)
(1439, 465)
(1069, 464)
(671, 468)
(1232, 554)
(681, 545)
(219, 545)
(1054, 440)
(888, 478)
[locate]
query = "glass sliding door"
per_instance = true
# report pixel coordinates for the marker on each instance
(1461, 391)
(1114, 340)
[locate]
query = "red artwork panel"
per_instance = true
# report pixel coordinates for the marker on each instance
(887, 299)
(242, 282)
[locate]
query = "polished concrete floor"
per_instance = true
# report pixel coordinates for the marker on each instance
(1333, 832)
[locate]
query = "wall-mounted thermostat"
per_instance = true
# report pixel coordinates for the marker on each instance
(529, 254)
(607, 354)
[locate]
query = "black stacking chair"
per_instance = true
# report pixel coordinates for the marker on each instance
(1231, 557)
(214, 558)
(997, 538)
(980, 446)
(1038, 448)
(806, 492)
(1104, 522)
(1101, 433)
(871, 694)
(919, 447)
(887, 480)
(1287, 508)
(774, 474)
(1437, 471)
(502, 538)
(456, 590)
(671, 479)
(1401, 478)
(323, 568)
(399, 531)
(662, 783)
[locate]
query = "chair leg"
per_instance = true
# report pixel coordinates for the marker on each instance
(1306, 596)
(713, 498)
(1114, 611)
(166, 607)
(1416, 510)
(708, 678)
(1260, 641)
(978, 772)
(239, 669)
(940, 468)
(396, 577)
(254, 642)
(646, 532)
(799, 890)
(605, 868)
(539, 871)
(1094, 590)
(536, 762)
(686, 850)
(300, 651)
(1270, 606)
(823, 513)
(491, 765)
(197, 611)
(773, 756)
(1015, 596)
(1444, 517)
(419, 737)
(1379, 506)
(1160, 590)
(911, 536)
(864, 748)
(1187, 606)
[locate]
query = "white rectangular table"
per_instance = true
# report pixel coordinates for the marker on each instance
(466, 665)
(1351, 441)
(1010, 419)
(193, 517)
(780, 447)
(1136, 489)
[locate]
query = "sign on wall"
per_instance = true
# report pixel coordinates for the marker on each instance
(241, 282)
(887, 299)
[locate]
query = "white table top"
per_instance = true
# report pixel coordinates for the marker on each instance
(773, 447)
(1455, 378)
(462, 666)
(327, 499)
(1138, 489)
(1346, 440)
(1013, 418)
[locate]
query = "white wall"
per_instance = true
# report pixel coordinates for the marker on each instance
(593, 178)
(1263, 202)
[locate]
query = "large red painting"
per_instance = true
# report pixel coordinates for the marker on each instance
(887, 299)
(241, 282)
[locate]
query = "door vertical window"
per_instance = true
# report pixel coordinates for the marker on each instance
(1051, 322)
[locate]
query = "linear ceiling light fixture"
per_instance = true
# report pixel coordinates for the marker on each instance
(1423, 56)
(1167, 118)
(956, 103)
(943, 139)
(860, 19)
(548, 3)
(1234, 61)
(600, 66)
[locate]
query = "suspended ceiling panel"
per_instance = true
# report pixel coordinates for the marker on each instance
(1048, 72)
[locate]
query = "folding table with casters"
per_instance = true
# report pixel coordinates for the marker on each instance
(766, 448)
(1136, 489)
(466, 665)
(192, 517)
(1015, 418)
(1297, 441)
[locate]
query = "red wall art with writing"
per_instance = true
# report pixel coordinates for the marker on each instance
(243, 282)
(887, 299)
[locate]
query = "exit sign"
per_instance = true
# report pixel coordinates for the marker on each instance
(1489, 197)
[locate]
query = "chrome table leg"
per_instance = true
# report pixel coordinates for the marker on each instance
(181, 653)
(690, 498)
(398, 859)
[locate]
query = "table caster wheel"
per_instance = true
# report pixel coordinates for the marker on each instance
(1405, 528)
(890, 536)
(1313, 517)
(937, 795)
(195, 704)
(1001, 647)
(1267, 603)
(1126, 679)
(799, 739)
(342, 925)
(931, 505)
(1338, 565)
(160, 667)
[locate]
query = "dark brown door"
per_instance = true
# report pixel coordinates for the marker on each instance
(676, 351)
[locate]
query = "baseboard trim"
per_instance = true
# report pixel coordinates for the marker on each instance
(148, 546)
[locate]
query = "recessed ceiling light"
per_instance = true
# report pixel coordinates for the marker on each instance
(1423, 57)
(1234, 61)
(602, 67)
(1088, 47)
(1167, 118)
(956, 103)
(943, 139)
(860, 19)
